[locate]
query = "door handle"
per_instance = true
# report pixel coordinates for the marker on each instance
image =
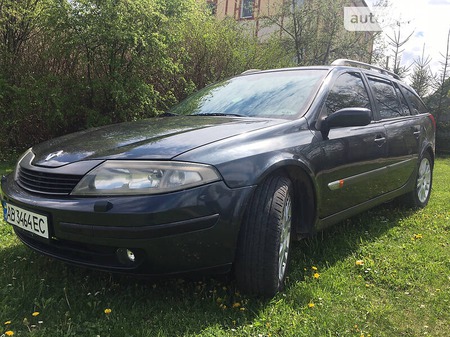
(380, 140)
(416, 132)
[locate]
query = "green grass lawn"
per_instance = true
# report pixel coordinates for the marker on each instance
(385, 272)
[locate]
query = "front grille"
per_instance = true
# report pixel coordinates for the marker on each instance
(47, 183)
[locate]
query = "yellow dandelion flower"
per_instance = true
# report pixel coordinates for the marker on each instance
(107, 311)
(417, 236)
(314, 268)
(311, 305)
(236, 305)
(7, 322)
(35, 314)
(316, 275)
(9, 333)
(359, 262)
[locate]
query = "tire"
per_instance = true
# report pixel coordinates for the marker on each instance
(419, 197)
(262, 256)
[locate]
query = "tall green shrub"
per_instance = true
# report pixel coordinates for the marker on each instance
(68, 65)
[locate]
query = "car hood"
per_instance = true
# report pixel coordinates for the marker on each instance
(156, 138)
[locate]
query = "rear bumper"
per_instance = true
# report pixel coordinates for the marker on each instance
(180, 232)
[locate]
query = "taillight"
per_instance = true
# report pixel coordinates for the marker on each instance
(432, 120)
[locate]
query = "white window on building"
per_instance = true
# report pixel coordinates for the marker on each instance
(212, 6)
(296, 4)
(247, 9)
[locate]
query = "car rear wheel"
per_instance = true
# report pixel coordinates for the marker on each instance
(265, 238)
(418, 198)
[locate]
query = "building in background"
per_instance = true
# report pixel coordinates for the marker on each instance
(257, 15)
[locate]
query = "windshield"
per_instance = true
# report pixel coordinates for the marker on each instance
(281, 94)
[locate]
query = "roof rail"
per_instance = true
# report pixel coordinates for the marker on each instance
(249, 71)
(345, 62)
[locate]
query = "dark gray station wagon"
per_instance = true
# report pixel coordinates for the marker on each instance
(225, 180)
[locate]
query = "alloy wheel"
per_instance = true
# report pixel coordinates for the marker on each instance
(424, 180)
(285, 238)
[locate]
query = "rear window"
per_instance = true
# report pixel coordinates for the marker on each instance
(283, 94)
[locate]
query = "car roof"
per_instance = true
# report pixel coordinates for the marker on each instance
(343, 64)
(262, 71)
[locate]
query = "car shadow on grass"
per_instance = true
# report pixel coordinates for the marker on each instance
(75, 299)
(343, 240)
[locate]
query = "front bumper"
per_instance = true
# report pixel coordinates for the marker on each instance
(180, 232)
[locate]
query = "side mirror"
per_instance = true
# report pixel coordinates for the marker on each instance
(344, 118)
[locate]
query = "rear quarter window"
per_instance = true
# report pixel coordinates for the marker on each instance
(404, 108)
(416, 103)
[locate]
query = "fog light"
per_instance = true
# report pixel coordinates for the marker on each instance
(131, 256)
(126, 256)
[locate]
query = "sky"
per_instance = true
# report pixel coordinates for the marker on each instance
(429, 20)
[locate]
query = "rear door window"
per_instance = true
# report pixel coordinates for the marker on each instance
(386, 97)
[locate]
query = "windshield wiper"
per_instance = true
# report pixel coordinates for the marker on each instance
(168, 114)
(219, 114)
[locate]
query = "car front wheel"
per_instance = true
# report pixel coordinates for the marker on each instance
(265, 237)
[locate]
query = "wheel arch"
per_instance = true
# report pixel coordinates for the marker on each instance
(430, 151)
(305, 193)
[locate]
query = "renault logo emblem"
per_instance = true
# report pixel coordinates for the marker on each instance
(54, 155)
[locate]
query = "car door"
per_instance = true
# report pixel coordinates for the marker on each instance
(402, 129)
(351, 158)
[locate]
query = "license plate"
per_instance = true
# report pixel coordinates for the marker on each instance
(29, 221)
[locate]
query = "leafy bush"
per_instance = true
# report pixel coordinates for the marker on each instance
(68, 65)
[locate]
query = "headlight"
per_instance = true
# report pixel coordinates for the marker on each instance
(143, 177)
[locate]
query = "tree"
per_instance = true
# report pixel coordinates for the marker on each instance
(442, 85)
(421, 78)
(312, 33)
(19, 20)
(397, 42)
(439, 102)
(211, 49)
(66, 65)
